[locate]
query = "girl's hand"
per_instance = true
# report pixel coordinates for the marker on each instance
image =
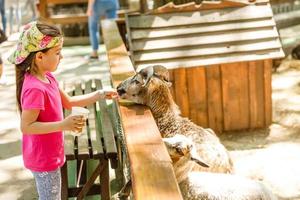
(108, 93)
(73, 123)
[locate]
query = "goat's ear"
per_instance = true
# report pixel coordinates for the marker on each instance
(161, 72)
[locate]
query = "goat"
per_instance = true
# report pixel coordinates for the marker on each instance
(207, 185)
(150, 86)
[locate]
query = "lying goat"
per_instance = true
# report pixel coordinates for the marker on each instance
(206, 185)
(150, 87)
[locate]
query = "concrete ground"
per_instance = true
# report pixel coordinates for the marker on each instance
(271, 155)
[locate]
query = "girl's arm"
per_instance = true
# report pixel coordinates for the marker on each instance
(86, 99)
(29, 125)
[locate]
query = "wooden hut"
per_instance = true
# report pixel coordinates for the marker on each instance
(219, 56)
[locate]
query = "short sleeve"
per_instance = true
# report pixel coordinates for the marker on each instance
(33, 98)
(52, 78)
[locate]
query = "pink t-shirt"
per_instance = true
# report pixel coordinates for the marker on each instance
(43, 152)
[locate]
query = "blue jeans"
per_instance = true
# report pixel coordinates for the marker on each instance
(48, 184)
(3, 16)
(107, 8)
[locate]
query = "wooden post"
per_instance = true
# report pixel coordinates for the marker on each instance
(143, 6)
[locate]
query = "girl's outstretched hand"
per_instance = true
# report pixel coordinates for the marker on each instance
(73, 123)
(108, 93)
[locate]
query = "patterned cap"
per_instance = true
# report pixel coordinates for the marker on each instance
(32, 40)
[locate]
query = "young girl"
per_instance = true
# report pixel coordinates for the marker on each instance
(40, 102)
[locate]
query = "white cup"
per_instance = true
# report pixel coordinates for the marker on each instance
(82, 112)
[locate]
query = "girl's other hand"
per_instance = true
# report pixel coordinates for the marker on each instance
(73, 123)
(108, 93)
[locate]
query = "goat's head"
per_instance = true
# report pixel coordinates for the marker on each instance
(138, 87)
(180, 146)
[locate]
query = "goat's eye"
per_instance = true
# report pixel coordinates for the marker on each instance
(178, 150)
(136, 82)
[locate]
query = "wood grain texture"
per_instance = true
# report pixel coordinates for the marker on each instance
(268, 91)
(256, 94)
(235, 92)
(214, 98)
(197, 93)
(180, 86)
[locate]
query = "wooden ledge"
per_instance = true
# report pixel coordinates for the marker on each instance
(151, 168)
(205, 5)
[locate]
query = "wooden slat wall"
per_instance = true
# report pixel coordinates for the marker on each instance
(225, 97)
(219, 61)
(209, 37)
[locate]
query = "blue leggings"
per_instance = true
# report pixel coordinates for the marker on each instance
(48, 184)
(107, 8)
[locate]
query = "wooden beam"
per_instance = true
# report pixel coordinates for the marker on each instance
(151, 167)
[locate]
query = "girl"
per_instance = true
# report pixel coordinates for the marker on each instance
(40, 102)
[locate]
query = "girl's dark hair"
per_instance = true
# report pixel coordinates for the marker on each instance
(28, 65)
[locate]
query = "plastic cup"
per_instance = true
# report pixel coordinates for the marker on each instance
(82, 112)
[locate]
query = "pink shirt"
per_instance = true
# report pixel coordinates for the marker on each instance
(43, 152)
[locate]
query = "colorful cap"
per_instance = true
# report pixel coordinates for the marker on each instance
(32, 40)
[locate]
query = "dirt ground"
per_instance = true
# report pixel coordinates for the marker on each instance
(273, 155)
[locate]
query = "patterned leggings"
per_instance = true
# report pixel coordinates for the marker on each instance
(48, 184)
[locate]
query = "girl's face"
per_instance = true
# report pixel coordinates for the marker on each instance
(49, 61)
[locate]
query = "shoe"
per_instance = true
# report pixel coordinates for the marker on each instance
(93, 57)
(90, 57)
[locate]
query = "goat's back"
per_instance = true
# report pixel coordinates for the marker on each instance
(217, 186)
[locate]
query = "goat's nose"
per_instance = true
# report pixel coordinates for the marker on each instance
(121, 91)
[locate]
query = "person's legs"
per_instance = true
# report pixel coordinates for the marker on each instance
(112, 8)
(3, 16)
(48, 184)
(94, 28)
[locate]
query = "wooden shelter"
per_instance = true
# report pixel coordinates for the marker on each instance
(219, 56)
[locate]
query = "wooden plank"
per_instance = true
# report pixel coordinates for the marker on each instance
(204, 39)
(206, 50)
(214, 98)
(139, 128)
(212, 60)
(197, 95)
(268, 91)
(68, 138)
(200, 28)
(171, 75)
(97, 150)
(66, 1)
(235, 90)
(256, 94)
(205, 5)
(83, 146)
(230, 14)
(145, 185)
(68, 19)
(108, 133)
(180, 86)
(145, 146)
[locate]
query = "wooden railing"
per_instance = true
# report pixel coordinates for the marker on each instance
(151, 169)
